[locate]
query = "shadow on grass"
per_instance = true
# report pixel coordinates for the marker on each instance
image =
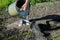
(47, 27)
(53, 17)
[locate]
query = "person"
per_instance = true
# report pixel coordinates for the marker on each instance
(24, 12)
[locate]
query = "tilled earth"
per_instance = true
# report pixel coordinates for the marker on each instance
(46, 16)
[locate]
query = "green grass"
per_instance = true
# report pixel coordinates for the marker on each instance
(5, 3)
(16, 36)
(32, 2)
(56, 36)
(10, 38)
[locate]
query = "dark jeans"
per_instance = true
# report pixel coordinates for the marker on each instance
(24, 13)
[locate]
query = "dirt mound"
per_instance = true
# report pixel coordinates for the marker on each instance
(43, 14)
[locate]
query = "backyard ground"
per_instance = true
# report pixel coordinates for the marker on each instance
(46, 16)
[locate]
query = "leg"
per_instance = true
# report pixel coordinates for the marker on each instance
(21, 22)
(27, 20)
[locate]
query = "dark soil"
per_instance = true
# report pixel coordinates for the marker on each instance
(41, 13)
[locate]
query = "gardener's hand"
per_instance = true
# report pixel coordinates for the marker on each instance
(25, 6)
(21, 9)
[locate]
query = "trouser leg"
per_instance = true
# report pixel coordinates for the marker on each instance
(26, 19)
(21, 22)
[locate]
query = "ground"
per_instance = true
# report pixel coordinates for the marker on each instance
(44, 14)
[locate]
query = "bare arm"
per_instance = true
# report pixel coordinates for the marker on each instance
(26, 4)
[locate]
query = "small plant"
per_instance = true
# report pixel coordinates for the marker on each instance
(25, 33)
(5, 3)
(56, 36)
(32, 2)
